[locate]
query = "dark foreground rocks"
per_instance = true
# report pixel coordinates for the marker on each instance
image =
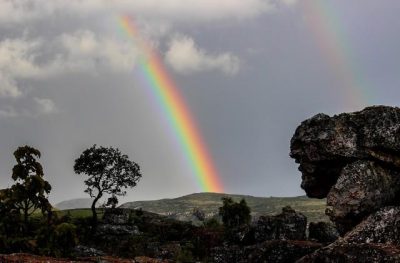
(353, 159)
(280, 238)
(322, 232)
(347, 252)
(278, 251)
(289, 225)
(28, 258)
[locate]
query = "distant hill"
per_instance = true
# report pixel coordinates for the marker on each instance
(75, 203)
(181, 208)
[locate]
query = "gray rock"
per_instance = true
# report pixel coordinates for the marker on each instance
(342, 252)
(362, 188)
(289, 225)
(116, 230)
(380, 227)
(84, 251)
(322, 232)
(277, 251)
(353, 159)
(118, 216)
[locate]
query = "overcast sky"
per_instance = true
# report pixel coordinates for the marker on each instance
(249, 70)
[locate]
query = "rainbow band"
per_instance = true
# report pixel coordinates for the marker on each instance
(335, 46)
(178, 114)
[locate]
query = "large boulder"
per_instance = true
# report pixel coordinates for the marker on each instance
(380, 227)
(277, 251)
(353, 159)
(322, 232)
(342, 252)
(289, 225)
(362, 188)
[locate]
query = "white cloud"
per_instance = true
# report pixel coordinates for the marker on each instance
(8, 113)
(45, 106)
(84, 50)
(8, 87)
(289, 2)
(185, 57)
(29, 108)
(81, 51)
(12, 11)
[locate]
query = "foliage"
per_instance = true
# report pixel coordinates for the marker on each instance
(109, 172)
(212, 223)
(234, 214)
(65, 238)
(27, 195)
(112, 202)
(29, 192)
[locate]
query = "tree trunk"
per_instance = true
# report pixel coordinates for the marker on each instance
(94, 213)
(26, 216)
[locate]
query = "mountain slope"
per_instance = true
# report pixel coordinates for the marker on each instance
(75, 203)
(181, 208)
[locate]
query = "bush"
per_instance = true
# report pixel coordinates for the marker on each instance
(64, 239)
(234, 214)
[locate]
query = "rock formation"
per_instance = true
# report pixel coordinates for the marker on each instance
(322, 232)
(353, 159)
(289, 225)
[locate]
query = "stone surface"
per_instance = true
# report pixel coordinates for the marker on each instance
(342, 252)
(289, 225)
(84, 251)
(109, 230)
(353, 159)
(117, 216)
(277, 251)
(29, 258)
(322, 232)
(380, 227)
(362, 188)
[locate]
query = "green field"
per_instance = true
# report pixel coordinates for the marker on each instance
(181, 208)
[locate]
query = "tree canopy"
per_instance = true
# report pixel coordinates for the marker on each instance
(30, 191)
(234, 214)
(109, 172)
(28, 194)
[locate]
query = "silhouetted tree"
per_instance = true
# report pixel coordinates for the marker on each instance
(234, 214)
(30, 191)
(112, 202)
(108, 171)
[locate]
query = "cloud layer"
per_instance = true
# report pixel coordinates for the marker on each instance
(12, 11)
(185, 57)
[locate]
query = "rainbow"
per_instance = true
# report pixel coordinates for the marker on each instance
(335, 46)
(179, 117)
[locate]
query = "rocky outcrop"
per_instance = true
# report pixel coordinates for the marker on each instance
(381, 227)
(117, 223)
(322, 232)
(28, 258)
(347, 252)
(353, 159)
(289, 225)
(375, 239)
(278, 251)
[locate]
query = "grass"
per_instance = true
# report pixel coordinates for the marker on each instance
(181, 208)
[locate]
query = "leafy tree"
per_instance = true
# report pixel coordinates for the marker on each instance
(109, 172)
(30, 191)
(112, 202)
(234, 214)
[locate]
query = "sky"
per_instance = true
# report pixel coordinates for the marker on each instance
(250, 71)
